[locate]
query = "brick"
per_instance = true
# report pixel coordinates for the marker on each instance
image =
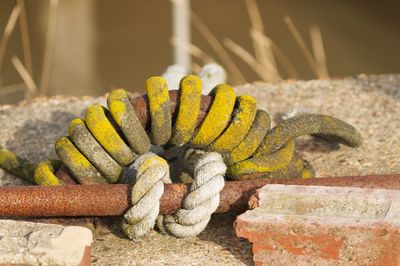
(28, 243)
(315, 225)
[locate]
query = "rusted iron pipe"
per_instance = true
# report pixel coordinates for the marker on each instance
(106, 200)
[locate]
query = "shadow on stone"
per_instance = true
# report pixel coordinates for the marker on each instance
(35, 139)
(220, 231)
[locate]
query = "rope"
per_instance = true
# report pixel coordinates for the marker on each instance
(148, 173)
(98, 147)
(203, 199)
(109, 140)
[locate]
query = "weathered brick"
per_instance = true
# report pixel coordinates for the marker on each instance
(314, 225)
(27, 243)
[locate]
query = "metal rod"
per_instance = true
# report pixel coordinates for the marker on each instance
(106, 200)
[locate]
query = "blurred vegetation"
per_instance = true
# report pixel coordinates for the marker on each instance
(88, 47)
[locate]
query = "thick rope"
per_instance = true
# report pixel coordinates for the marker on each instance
(99, 147)
(149, 171)
(208, 171)
(107, 140)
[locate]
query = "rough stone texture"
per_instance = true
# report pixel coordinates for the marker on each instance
(300, 225)
(43, 244)
(370, 103)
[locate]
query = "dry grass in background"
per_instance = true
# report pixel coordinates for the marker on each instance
(25, 70)
(264, 62)
(266, 52)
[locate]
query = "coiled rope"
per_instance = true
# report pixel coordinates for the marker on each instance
(107, 140)
(100, 146)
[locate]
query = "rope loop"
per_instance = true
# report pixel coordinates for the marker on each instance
(150, 171)
(208, 171)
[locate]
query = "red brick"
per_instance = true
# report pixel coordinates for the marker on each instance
(299, 225)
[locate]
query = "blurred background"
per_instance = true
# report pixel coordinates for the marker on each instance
(73, 47)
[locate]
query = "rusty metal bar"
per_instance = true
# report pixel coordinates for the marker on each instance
(106, 200)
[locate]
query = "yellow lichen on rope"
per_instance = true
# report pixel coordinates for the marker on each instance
(81, 168)
(245, 111)
(124, 115)
(308, 124)
(160, 110)
(107, 136)
(263, 164)
(16, 166)
(45, 173)
(116, 105)
(189, 108)
(93, 151)
(217, 117)
(250, 143)
(297, 168)
(307, 171)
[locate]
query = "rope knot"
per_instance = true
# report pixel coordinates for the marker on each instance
(150, 171)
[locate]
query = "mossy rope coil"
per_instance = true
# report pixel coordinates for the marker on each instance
(110, 139)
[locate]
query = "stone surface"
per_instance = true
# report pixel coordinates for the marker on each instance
(43, 244)
(370, 103)
(306, 225)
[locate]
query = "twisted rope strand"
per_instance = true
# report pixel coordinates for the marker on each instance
(150, 171)
(203, 198)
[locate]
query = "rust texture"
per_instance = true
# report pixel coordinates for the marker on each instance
(106, 200)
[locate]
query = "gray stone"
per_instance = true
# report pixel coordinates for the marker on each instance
(42, 244)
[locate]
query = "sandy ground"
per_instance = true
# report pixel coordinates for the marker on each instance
(370, 103)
